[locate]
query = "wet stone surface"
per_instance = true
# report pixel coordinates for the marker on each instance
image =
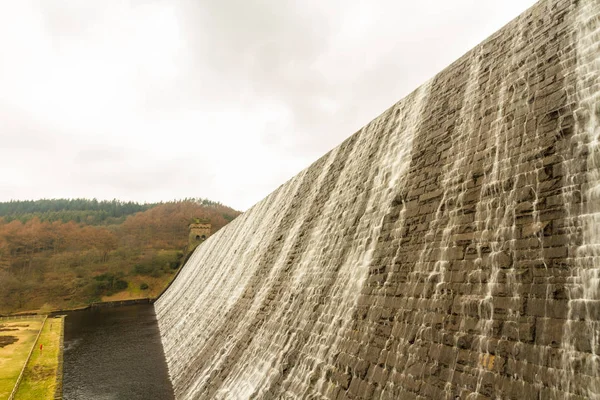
(450, 249)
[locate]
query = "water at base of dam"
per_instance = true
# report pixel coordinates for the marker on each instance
(114, 354)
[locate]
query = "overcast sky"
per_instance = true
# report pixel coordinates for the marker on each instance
(156, 100)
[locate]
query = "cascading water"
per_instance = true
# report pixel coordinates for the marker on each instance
(393, 165)
(495, 219)
(223, 283)
(581, 332)
(449, 249)
(431, 270)
(315, 270)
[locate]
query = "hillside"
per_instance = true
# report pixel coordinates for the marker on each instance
(61, 253)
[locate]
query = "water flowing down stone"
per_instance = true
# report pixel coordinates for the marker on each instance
(581, 332)
(450, 249)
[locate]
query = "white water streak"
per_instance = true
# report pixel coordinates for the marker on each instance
(581, 333)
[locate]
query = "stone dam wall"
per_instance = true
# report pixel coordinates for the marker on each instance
(450, 249)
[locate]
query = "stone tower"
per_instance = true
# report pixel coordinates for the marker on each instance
(199, 232)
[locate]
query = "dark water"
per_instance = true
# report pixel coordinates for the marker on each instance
(114, 353)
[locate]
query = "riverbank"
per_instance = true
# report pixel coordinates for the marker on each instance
(41, 376)
(117, 302)
(131, 296)
(17, 338)
(100, 304)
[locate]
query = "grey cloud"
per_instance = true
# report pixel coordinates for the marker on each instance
(269, 48)
(21, 131)
(75, 22)
(140, 177)
(101, 154)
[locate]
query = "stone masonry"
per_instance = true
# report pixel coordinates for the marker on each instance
(438, 253)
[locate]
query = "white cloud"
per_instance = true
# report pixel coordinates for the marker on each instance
(155, 100)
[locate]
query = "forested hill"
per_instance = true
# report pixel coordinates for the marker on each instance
(92, 211)
(65, 253)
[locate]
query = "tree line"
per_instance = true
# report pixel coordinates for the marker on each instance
(88, 211)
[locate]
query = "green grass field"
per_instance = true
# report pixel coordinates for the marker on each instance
(13, 356)
(39, 380)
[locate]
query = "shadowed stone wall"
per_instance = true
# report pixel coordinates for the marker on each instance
(449, 249)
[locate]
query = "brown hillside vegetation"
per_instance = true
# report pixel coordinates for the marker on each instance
(57, 264)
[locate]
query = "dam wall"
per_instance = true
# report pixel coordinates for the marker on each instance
(450, 249)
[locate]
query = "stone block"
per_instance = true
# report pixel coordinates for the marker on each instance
(547, 308)
(549, 332)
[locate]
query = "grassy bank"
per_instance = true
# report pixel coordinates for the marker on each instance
(13, 356)
(40, 378)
